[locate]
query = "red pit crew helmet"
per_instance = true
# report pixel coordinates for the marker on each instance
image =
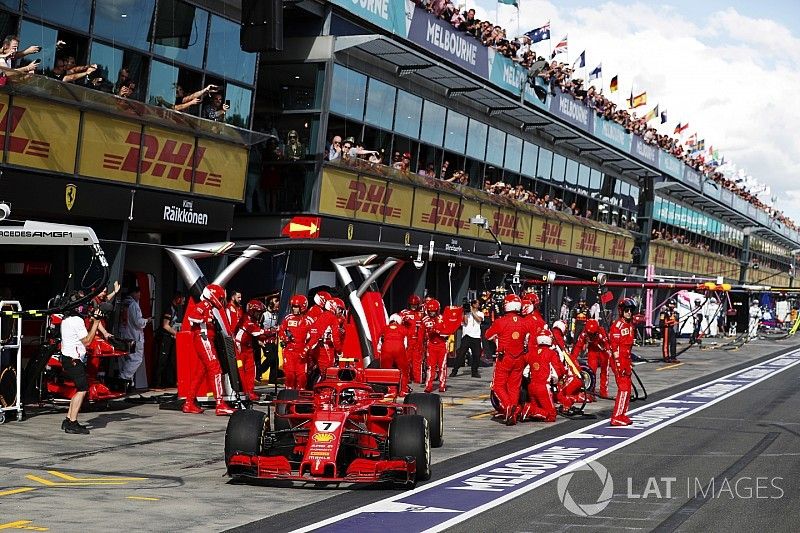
(214, 294)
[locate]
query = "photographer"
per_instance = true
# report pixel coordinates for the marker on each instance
(470, 338)
(74, 340)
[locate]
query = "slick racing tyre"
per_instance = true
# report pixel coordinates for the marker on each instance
(245, 431)
(409, 435)
(430, 406)
(588, 378)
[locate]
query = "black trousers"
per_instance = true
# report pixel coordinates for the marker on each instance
(165, 375)
(269, 361)
(474, 346)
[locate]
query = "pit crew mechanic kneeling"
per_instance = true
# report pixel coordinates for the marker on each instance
(74, 340)
(540, 360)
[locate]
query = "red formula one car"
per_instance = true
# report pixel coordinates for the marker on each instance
(348, 429)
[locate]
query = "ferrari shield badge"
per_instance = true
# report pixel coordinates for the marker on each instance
(70, 194)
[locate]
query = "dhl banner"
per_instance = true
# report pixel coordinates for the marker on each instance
(221, 168)
(110, 148)
(346, 194)
(585, 241)
(548, 234)
(172, 167)
(43, 135)
(695, 263)
(522, 234)
(470, 208)
(445, 210)
(618, 248)
(425, 213)
(504, 225)
(679, 260)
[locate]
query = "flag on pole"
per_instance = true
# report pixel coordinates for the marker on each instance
(514, 3)
(692, 140)
(638, 100)
(580, 62)
(539, 34)
(596, 72)
(561, 47)
(614, 84)
(701, 144)
(679, 129)
(653, 113)
(664, 116)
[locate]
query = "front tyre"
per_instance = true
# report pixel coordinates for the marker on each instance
(430, 406)
(409, 435)
(244, 434)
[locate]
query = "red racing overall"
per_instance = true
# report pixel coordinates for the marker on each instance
(292, 335)
(416, 341)
(437, 352)
(393, 346)
(540, 399)
(202, 323)
(324, 340)
(247, 332)
(597, 347)
(510, 333)
(622, 338)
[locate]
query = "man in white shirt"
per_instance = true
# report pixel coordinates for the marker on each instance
(470, 339)
(74, 340)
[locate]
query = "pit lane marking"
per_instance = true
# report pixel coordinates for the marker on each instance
(23, 524)
(486, 486)
(479, 416)
(17, 491)
(676, 365)
(143, 498)
(71, 481)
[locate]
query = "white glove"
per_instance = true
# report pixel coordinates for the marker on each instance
(526, 372)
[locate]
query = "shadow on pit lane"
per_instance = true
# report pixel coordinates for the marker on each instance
(286, 484)
(102, 420)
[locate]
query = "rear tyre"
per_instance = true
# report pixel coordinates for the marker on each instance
(281, 409)
(430, 406)
(409, 435)
(245, 431)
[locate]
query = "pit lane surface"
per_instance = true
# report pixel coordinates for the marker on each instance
(163, 470)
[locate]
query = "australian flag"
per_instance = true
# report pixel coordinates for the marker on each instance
(540, 34)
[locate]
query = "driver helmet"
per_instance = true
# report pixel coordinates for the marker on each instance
(512, 303)
(347, 397)
(215, 295)
(299, 301)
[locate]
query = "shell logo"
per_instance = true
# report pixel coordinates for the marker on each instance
(323, 437)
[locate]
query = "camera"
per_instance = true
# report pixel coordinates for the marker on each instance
(466, 305)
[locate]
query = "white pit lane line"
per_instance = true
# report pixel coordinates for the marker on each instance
(422, 515)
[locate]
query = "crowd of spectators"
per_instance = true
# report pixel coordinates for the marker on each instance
(66, 70)
(559, 75)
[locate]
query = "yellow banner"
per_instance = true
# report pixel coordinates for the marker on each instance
(425, 209)
(695, 264)
(221, 169)
(167, 159)
(585, 241)
(470, 208)
(109, 148)
(43, 135)
(523, 231)
(679, 260)
(618, 248)
(504, 225)
(398, 204)
(548, 234)
(335, 193)
(601, 243)
(447, 212)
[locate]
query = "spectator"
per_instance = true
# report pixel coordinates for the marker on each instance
(10, 56)
(125, 86)
(184, 101)
(215, 109)
(335, 149)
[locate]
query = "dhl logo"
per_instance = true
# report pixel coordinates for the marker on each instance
(173, 160)
(445, 213)
(618, 248)
(371, 198)
(660, 255)
(679, 259)
(588, 242)
(551, 235)
(506, 226)
(18, 144)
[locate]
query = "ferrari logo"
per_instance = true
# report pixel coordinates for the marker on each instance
(70, 195)
(349, 232)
